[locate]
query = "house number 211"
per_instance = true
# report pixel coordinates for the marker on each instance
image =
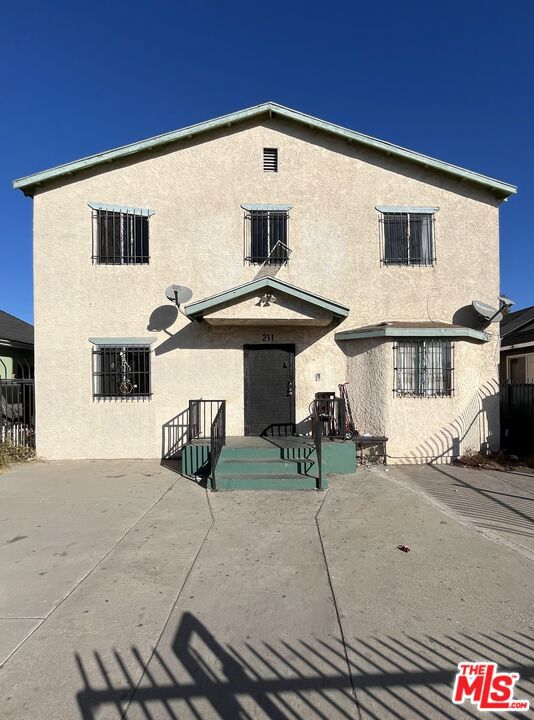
(267, 337)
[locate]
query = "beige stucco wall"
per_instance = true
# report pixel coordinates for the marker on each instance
(196, 239)
(425, 429)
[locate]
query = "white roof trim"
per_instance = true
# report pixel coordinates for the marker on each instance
(146, 212)
(517, 346)
(406, 209)
(122, 341)
(270, 109)
(252, 206)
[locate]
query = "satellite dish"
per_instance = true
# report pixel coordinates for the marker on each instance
(178, 294)
(487, 312)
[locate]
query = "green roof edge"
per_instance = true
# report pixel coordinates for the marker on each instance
(195, 311)
(29, 181)
(423, 332)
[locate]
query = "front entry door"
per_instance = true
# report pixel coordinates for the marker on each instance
(269, 389)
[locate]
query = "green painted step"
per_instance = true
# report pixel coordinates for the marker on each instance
(266, 482)
(263, 466)
(267, 452)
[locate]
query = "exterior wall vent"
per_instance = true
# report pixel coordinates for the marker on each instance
(270, 159)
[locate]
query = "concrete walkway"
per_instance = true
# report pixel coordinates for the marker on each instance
(128, 591)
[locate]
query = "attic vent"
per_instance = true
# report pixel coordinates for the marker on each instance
(270, 159)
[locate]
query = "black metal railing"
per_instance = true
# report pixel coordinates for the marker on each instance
(266, 237)
(200, 418)
(217, 441)
(317, 437)
(17, 405)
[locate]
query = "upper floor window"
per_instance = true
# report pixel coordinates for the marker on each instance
(407, 236)
(424, 368)
(266, 234)
(121, 371)
(270, 159)
(120, 235)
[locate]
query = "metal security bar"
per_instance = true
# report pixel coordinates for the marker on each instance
(517, 416)
(407, 238)
(120, 238)
(17, 404)
(266, 237)
(424, 368)
(121, 371)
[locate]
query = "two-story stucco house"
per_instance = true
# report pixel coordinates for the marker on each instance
(315, 255)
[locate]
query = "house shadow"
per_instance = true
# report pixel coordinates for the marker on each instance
(405, 675)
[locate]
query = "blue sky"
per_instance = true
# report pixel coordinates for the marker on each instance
(453, 80)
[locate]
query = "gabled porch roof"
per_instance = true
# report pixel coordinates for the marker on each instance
(197, 310)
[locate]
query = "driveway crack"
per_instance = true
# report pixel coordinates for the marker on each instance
(89, 572)
(174, 604)
(336, 608)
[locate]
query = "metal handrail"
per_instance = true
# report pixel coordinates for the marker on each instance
(317, 436)
(217, 440)
(200, 418)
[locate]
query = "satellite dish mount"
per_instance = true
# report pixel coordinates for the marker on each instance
(178, 294)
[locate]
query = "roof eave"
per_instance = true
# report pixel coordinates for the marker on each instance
(196, 310)
(419, 332)
(29, 183)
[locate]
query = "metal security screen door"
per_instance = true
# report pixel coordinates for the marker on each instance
(269, 388)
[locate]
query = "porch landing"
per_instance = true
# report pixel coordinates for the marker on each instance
(269, 463)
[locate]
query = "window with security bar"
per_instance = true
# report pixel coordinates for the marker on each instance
(407, 238)
(424, 368)
(266, 237)
(120, 237)
(121, 371)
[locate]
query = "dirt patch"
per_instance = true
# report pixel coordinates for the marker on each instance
(497, 461)
(11, 453)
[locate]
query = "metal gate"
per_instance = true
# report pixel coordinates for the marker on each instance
(517, 417)
(17, 404)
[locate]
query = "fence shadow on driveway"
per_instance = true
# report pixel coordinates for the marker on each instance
(475, 495)
(197, 676)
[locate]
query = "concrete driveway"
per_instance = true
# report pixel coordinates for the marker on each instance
(128, 591)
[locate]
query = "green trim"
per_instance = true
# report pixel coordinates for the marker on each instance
(28, 183)
(146, 212)
(195, 310)
(406, 209)
(249, 206)
(122, 340)
(424, 332)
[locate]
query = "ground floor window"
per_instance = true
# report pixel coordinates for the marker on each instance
(424, 368)
(121, 371)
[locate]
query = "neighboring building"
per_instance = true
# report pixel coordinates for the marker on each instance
(315, 255)
(16, 347)
(517, 346)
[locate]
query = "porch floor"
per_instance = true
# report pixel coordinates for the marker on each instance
(253, 441)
